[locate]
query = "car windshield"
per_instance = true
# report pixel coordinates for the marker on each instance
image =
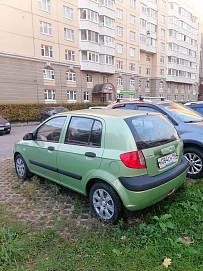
(151, 130)
(181, 112)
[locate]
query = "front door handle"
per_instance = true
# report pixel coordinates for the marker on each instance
(90, 154)
(50, 148)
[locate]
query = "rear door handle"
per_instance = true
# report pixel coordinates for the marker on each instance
(50, 148)
(90, 154)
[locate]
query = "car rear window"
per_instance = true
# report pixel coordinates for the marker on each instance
(151, 130)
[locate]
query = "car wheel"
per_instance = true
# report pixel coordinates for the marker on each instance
(105, 203)
(195, 159)
(8, 132)
(21, 167)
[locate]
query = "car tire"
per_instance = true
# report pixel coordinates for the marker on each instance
(105, 203)
(8, 132)
(195, 159)
(21, 167)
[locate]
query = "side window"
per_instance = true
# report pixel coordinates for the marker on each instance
(126, 106)
(145, 108)
(51, 130)
(84, 131)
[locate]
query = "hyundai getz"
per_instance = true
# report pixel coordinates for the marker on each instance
(119, 159)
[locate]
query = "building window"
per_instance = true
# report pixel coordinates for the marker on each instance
(162, 46)
(107, 59)
(71, 96)
(119, 81)
(90, 15)
(163, 32)
(106, 21)
(161, 71)
(89, 35)
(90, 56)
(68, 12)
(105, 40)
(119, 31)
(163, 19)
(163, 4)
(132, 3)
(132, 35)
(143, 8)
(119, 13)
(132, 19)
(175, 98)
(148, 58)
(49, 95)
(70, 76)
(143, 23)
(48, 74)
(140, 70)
(119, 65)
(132, 67)
(86, 96)
(44, 5)
(147, 84)
(182, 97)
(45, 28)
(142, 38)
(132, 82)
(147, 71)
(107, 3)
(168, 97)
(161, 59)
(68, 34)
(47, 51)
(132, 51)
(70, 55)
(119, 48)
(89, 78)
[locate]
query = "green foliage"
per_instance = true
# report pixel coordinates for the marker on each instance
(31, 111)
(141, 243)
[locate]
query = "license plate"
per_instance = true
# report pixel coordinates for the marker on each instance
(167, 160)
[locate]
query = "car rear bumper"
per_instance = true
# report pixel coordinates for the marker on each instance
(140, 199)
(145, 182)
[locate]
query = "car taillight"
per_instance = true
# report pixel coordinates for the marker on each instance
(133, 159)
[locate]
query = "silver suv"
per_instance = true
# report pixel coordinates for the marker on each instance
(188, 123)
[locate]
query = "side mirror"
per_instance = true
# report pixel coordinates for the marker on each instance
(28, 136)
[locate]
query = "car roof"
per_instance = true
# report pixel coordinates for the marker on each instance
(152, 100)
(108, 113)
(197, 102)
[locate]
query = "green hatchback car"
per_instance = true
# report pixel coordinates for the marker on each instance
(119, 159)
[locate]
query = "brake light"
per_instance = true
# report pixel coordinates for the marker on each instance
(133, 159)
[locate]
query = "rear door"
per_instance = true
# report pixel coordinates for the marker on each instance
(158, 140)
(82, 151)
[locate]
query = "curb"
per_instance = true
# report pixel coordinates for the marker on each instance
(21, 124)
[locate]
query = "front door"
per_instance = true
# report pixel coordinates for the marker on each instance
(43, 150)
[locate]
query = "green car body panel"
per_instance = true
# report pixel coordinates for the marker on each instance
(76, 165)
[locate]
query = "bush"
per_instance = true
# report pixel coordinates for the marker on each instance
(31, 111)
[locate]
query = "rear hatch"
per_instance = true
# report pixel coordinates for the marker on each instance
(158, 141)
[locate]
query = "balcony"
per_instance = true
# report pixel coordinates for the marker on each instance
(105, 50)
(106, 11)
(106, 31)
(89, 66)
(85, 24)
(107, 68)
(87, 45)
(147, 48)
(177, 79)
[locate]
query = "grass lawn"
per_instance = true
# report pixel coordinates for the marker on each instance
(171, 229)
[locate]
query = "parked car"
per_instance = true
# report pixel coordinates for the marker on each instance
(197, 106)
(118, 159)
(5, 126)
(50, 111)
(188, 123)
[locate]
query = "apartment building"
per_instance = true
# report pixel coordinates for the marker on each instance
(96, 50)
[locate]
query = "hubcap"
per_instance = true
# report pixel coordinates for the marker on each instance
(103, 204)
(195, 163)
(20, 167)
